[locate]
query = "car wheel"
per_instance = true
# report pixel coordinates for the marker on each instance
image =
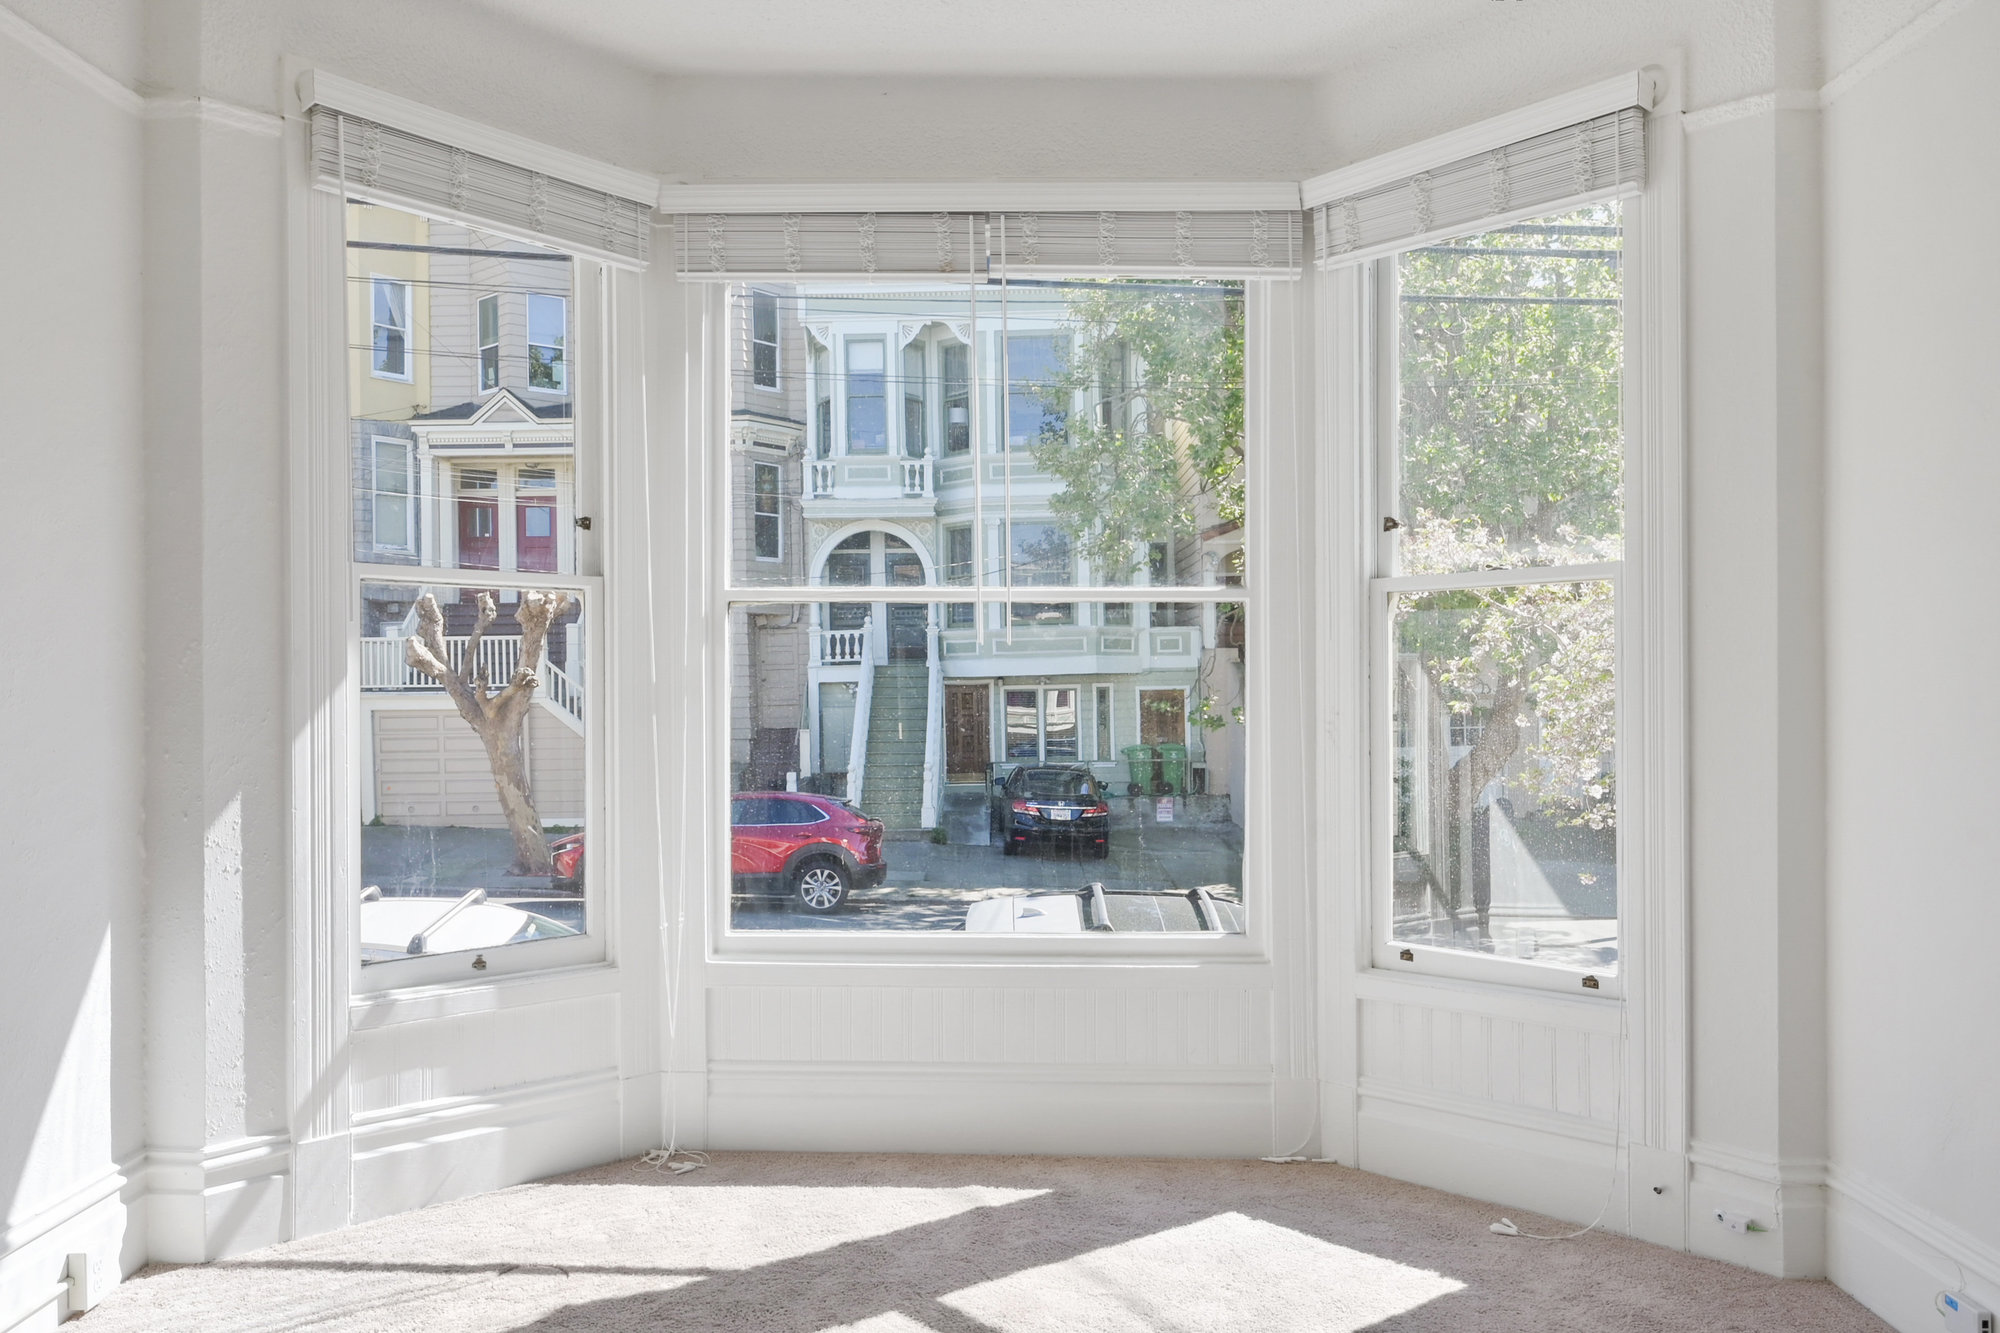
(1008, 847)
(822, 884)
(1103, 849)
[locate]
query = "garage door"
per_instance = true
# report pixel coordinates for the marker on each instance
(431, 769)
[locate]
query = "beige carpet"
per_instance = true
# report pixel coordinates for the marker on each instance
(775, 1242)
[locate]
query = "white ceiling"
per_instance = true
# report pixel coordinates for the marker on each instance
(1112, 38)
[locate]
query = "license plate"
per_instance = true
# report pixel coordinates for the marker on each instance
(1061, 812)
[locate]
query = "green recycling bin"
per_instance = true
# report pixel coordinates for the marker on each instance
(1139, 762)
(1173, 767)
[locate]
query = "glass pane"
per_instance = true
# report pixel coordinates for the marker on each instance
(473, 325)
(1505, 772)
(472, 796)
(1510, 436)
(1124, 403)
(961, 775)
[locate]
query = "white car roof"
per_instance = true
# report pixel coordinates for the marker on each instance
(388, 924)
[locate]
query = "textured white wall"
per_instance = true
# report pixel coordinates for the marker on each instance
(1912, 474)
(71, 724)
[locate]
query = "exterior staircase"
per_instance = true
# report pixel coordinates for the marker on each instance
(893, 789)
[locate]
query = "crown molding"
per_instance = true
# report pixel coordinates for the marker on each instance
(318, 88)
(1640, 88)
(981, 197)
(68, 62)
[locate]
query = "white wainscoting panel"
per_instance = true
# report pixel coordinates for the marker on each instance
(1154, 1027)
(1490, 1061)
(1131, 1070)
(469, 1054)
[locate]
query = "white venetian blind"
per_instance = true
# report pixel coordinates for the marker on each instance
(1603, 153)
(399, 167)
(774, 246)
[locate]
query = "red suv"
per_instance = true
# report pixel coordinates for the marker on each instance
(785, 842)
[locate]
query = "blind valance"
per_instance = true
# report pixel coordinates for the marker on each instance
(975, 246)
(400, 167)
(1599, 154)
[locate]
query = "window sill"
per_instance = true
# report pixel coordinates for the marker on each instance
(845, 948)
(1502, 987)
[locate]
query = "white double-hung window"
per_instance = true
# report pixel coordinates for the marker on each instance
(469, 690)
(928, 688)
(1500, 434)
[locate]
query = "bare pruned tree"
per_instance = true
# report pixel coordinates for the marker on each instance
(497, 717)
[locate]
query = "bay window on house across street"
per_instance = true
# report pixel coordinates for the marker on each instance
(474, 605)
(764, 340)
(920, 741)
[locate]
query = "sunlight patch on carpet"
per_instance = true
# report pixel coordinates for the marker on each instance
(1227, 1271)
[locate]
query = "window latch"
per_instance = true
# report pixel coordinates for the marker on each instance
(1389, 523)
(584, 522)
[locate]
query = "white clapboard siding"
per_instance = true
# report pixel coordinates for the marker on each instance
(431, 769)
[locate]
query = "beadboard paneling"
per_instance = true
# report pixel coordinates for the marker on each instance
(469, 1054)
(1487, 1058)
(1151, 1027)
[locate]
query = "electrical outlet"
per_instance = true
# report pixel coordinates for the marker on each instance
(1962, 1316)
(76, 1275)
(1740, 1223)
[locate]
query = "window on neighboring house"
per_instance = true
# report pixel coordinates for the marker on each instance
(916, 436)
(1118, 614)
(822, 367)
(768, 528)
(489, 343)
(1042, 725)
(1036, 400)
(764, 340)
(1106, 749)
(957, 398)
(867, 403)
(394, 513)
(390, 337)
(548, 326)
(1041, 558)
(958, 571)
(1505, 464)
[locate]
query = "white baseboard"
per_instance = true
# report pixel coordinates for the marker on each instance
(1894, 1257)
(410, 1156)
(101, 1219)
(209, 1203)
(1514, 1163)
(1786, 1197)
(940, 1108)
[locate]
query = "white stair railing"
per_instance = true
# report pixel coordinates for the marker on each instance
(933, 729)
(385, 665)
(840, 646)
(565, 694)
(864, 704)
(916, 477)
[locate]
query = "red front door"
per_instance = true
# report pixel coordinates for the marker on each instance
(479, 534)
(535, 535)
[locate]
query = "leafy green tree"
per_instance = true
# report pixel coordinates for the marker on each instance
(1160, 446)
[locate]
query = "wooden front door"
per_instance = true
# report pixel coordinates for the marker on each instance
(478, 534)
(968, 732)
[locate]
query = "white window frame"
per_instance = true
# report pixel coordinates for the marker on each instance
(479, 335)
(1356, 371)
(845, 399)
(375, 494)
(562, 385)
(1273, 319)
(377, 281)
(388, 980)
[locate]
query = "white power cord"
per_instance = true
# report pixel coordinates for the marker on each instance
(672, 1158)
(1506, 1227)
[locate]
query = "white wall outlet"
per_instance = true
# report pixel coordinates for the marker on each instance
(1740, 1223)
(82, 1293)
(1962, 1316)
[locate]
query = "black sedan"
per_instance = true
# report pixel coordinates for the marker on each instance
(1051, 804)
